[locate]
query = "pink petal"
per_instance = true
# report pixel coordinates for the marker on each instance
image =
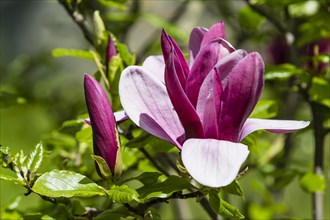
(186, 112)
(216, 31)
(196, 37)
(208, 104)
(145, 100)
(241, 92)
(155, 65)
(207, 58)
(227, 63)
(213, 163)
(274, 126)
(169, 46)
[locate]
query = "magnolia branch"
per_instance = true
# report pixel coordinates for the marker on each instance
(79, 19)
(142, 208)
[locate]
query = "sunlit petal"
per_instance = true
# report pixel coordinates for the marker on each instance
(145, 100)
(274, 126)
(213, 163)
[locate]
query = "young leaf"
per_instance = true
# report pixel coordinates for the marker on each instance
(320, 91)
(234, 188)
(62, 183)
(12, 179)
(311, 182)
(60, 52)
(223, 208)
(127, 57)
(34, 159)
(103, 167)
(123, 194)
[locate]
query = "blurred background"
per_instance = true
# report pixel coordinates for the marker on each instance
(39, 91)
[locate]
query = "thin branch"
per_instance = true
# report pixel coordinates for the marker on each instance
(318, 157)
(79, 19)
(148, 156)
(142, 208)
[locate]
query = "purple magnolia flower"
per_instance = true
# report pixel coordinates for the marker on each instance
(201, 107)
(102, 120)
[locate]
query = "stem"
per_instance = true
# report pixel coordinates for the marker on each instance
(79, 19)
(317, 197)
(142, 208)
(206, 205)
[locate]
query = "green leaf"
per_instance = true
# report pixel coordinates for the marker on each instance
(60, 52)
(222, 207)
(34, 159)
(265, 109)
(127, 57)
(311, 182)
(147, 178)
(249, 19)
(123, 194)
(103, 167)
(234, 188)
(165, 188)
(320, 91)
(85, 134)
(113, 4)
(99, 29)
(281, 72)
(62, 183)
(11, 179)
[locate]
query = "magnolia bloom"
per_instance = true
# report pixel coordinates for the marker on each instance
(102, 120)
(201, 107)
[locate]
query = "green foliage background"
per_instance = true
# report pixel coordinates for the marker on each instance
(41, 89)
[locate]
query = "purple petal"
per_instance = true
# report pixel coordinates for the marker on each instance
(216, 31)
(102, 121)
(241, 92)
(208, 104)
(274, 126)
(155, 65)
(226, 64)
(87, 121)
(120, 116)
(205, 61)
(145, 100)
(213, 163)
(186, 112)
(195, 41)
(180, 63)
